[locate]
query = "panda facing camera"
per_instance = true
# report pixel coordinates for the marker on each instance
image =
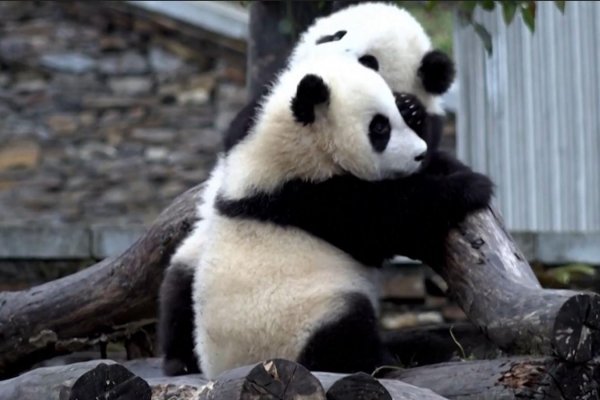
(266, 289)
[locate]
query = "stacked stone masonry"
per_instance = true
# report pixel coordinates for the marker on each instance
(104, 118)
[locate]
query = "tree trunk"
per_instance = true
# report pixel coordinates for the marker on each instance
(491, 280)
(274, 28)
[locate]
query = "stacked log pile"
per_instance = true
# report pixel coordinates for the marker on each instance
(517, 378)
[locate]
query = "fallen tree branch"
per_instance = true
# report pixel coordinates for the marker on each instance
(36, 323)
(491, 280)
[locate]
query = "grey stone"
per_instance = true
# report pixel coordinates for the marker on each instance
(154, 135)
(108, 241)
(163, 61)
(130, 63)
(14, 48)
(33, 85)
(130, 85)
(156, 153)
(74, 63)
(44, 242)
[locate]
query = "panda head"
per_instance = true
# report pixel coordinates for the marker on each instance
(324, 117)
(386, 39)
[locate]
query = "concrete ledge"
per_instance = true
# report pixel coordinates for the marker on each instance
(44, 242)
(560, 248)
(66, 242)
(110, 241)
(564, 248)
(101, 241)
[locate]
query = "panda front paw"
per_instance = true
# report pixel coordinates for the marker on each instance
(470, 191)
(412, 111)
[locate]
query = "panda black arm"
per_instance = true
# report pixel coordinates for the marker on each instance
(372, 221)
(426, 206)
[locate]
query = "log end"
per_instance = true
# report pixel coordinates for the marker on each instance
(358, 386)
(112, 381)
(271, 379)
(576, 330)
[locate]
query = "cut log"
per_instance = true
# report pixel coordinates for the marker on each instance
(110, 381)
(77, 310)
(508, 378)
(358, 386)
(491, 280)
(271, 379)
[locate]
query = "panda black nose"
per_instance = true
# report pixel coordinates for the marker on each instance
(421, 156)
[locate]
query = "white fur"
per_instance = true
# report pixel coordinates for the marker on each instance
(384, 31)
(188, 253)
(279, 149)
(262, 290)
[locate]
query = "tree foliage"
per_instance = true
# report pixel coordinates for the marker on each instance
(466, 9)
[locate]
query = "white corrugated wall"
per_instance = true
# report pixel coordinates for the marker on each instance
(529, 115)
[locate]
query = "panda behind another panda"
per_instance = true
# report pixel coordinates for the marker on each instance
(389, 40)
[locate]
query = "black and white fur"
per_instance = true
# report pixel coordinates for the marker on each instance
(265, 289)
(451, 192)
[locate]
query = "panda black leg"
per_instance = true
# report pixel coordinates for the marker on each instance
(350, 344)
(176, 321)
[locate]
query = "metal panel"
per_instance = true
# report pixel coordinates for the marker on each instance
(529, 115)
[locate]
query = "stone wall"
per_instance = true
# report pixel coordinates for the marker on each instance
(104, 118)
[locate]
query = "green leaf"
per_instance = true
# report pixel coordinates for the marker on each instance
(468, 7)
(485, 36)
(528, 13)
(509, 10)
(567, 273)
(487, 5)
(430, 5)
(560, 4)
(465, 12)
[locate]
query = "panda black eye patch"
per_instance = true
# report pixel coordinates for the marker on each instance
(369, 61)
(379, 132)
(331, 38)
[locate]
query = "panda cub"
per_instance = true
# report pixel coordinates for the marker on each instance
(263, 289)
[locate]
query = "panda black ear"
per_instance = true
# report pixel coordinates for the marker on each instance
(312, 90)
(436, 72)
